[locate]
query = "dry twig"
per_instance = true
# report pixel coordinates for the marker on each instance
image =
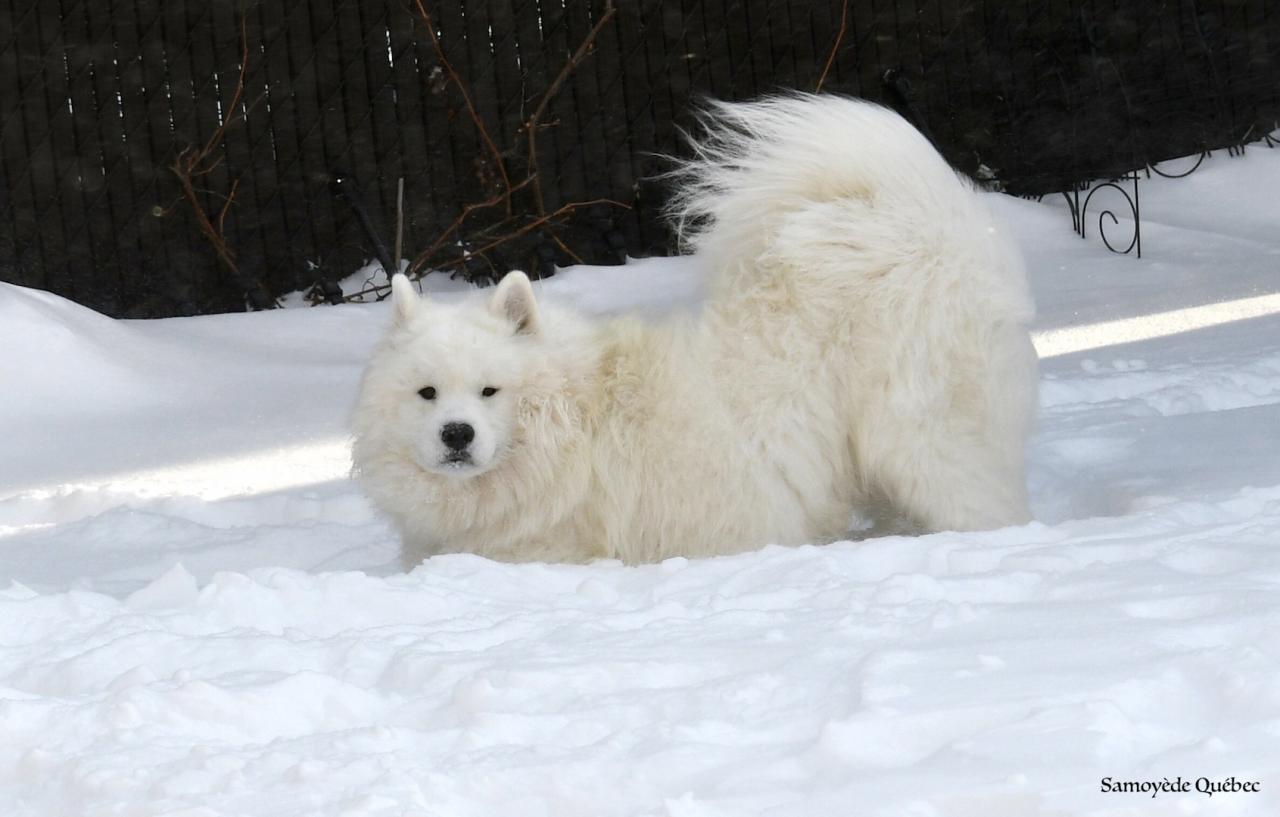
(399, 226)
(194, 162)
(531, 126)
(537, 222)
(478, 252)
(835, 47)
(429, 24)
(508, 227)
(426, 254)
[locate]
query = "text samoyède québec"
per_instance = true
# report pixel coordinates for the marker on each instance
(1179, 785)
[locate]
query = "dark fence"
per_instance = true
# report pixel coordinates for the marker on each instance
(162, 157)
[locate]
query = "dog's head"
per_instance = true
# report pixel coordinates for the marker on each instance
(444, 389)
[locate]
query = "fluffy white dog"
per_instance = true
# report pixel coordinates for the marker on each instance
(863, 352)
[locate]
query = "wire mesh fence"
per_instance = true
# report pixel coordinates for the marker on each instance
(180, 156)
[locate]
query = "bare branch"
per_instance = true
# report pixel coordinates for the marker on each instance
(201, 161)
(835, 47)
(531, 126)
(426, 254)
(499, 231)
(479, 252)
(537, 222)
(429, 24)
(399, 226)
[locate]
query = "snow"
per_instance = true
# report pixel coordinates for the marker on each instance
(200, 615)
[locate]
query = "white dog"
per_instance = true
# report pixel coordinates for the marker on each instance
(863, 351)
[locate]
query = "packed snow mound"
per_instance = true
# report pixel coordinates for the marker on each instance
(95, 354)
(201, 615)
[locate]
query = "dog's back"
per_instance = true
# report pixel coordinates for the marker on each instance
(869, 308)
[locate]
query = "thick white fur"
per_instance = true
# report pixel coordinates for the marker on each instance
(863, 351)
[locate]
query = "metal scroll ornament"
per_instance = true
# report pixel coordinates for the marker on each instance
(1080, 211)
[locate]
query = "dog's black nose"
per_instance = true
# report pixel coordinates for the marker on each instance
(457, 435)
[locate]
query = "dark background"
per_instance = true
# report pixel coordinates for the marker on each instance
(100, 98)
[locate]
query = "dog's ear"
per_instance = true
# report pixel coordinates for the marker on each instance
(404, 299)
(514, 301)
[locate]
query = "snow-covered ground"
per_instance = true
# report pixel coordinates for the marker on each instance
(200, 615)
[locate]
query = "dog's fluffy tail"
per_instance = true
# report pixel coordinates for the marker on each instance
(840, 175)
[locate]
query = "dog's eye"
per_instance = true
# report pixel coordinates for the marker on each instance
(427, 392)
(488, 391)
